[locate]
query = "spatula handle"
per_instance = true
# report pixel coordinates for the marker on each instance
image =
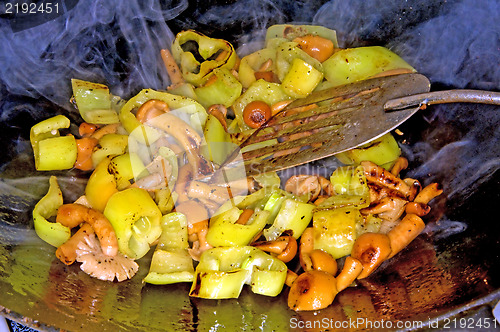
(443, 97)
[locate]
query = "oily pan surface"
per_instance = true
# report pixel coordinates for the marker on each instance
(452, 264)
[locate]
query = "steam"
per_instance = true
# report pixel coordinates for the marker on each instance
(111, 42)
(455, 43)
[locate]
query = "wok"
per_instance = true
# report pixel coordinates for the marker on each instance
(448, 274)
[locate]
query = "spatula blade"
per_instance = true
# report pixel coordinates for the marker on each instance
(362, 120)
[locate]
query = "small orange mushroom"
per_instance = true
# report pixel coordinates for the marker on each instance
(323, 261)
(312, 290)
(284, 247)
(256, 113)
(85, 147)
(351, 270)
(371, 249)
(405, 232)
(318, 47)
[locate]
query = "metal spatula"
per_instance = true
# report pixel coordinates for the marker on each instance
(346, 117)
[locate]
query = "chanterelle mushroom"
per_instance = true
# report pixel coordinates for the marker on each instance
(103, 267)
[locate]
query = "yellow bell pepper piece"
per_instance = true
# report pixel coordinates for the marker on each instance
(136, 220)
(335, 230)
(301, 79)
(101, 185)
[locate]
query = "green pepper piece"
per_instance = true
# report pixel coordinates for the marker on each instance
(136, 220)
(51, 151)
(383, 151)
(262, 90)
(370, 224)
(198, 55)
(268, 180)
(184, 89)
(166, 199)
(344, 200)
(170, 267)
(350, 181)
(218, 141)
(222, 272)
(287, 52)
(171, 261)
(294, 216)
(223, 230)
(252, 63)
(335, 230)
(94, 102)
(273, 205)
(195, 113)
(53, 233)
(340, 179)
(355, 64)
(109, 145)
(290, 32)
(224, 90)
(255, 200)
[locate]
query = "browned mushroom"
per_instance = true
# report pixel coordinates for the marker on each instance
(300, 185)
(384, 178)
(388, 208)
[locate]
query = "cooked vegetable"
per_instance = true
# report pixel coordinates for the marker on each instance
(190, 108)
(53, 152)
(335, 230)
(293, 216)
(255, 64)
(287, 53)
(284, 247)
(72, 215)
(301, 79)
(109, 145)
(312, 290)
(150, 159)
(101, 185)
(66, 252)
(223, 271)
(218, 141)
(85, 147)
(224, 230)
(94, 102)
(350, 272)
(53, 233)
(223, 88)
(405, 232)
(136, 220)
(101, 266)
(316, 46)
(355, 64)
(371, 249)
(383, 151)
(198, 55)
(291, 32)
(171, 262)
(270, 93)
(256, 113)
